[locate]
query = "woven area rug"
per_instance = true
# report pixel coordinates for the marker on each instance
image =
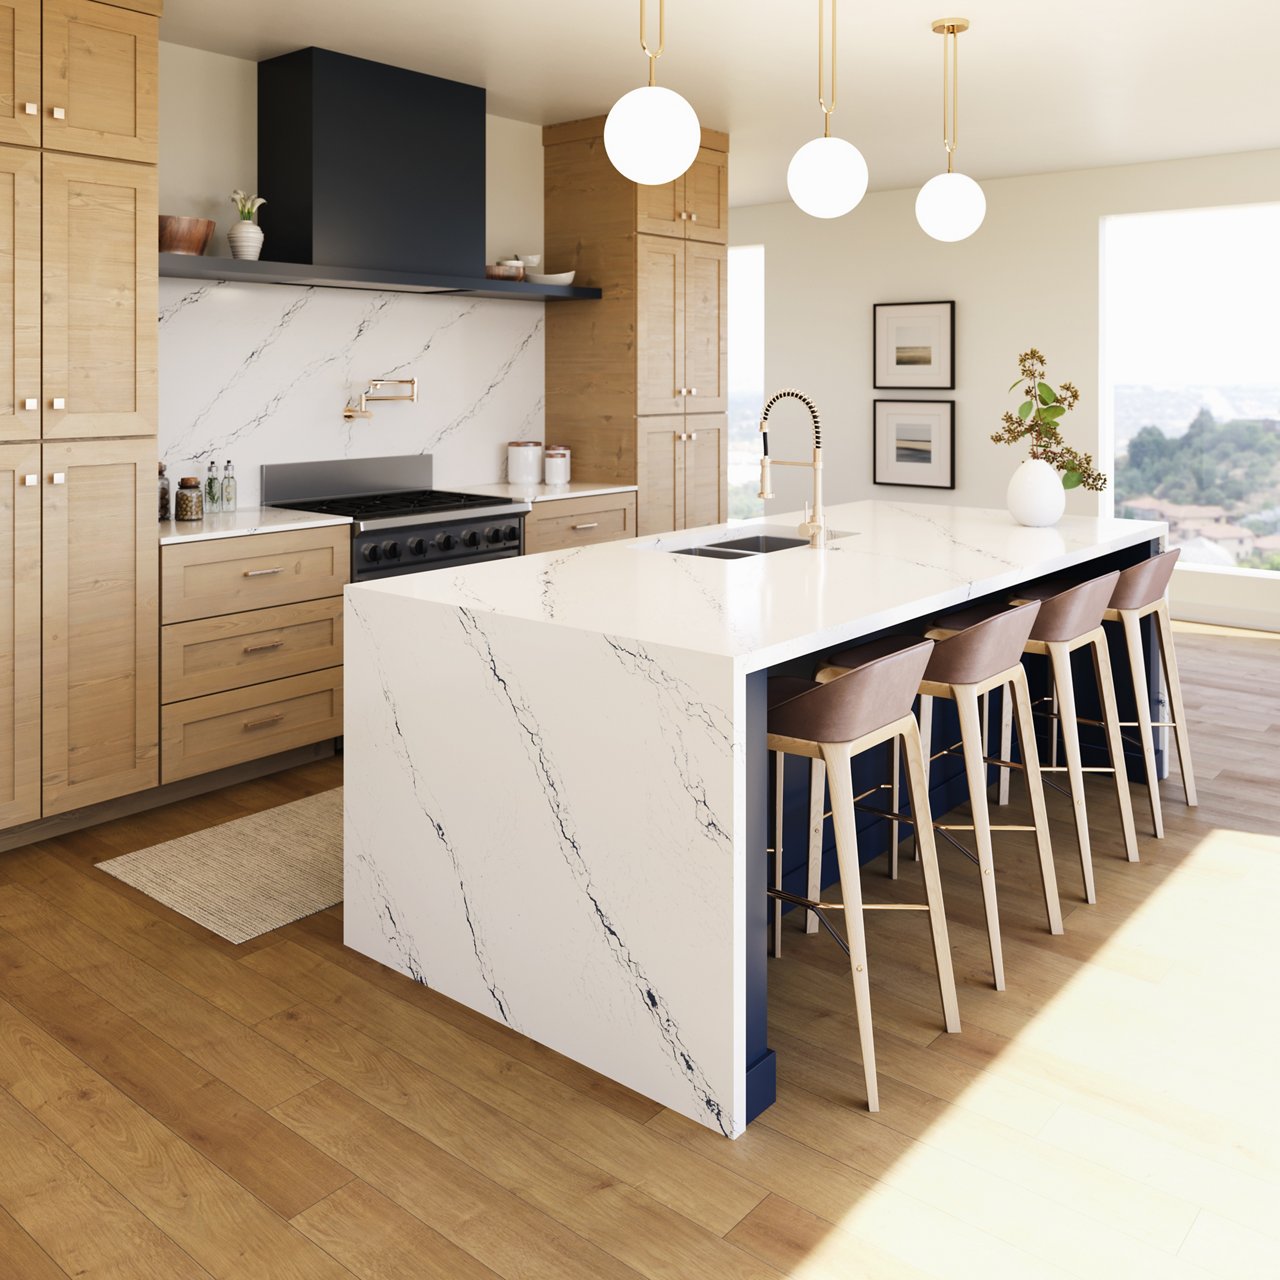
(250, 875)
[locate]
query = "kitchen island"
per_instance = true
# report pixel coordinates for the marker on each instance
(556, 774)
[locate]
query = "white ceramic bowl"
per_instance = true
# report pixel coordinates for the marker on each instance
(530, 260)
(510, 262)
(556, 277)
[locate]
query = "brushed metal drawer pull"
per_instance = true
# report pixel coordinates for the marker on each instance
(58, 402)
(263, 648)
(262, 724)
(30, 404)
(59, 477)
(693, 391)
(31, 108)
(595, 524)
(30, 481)
(693, 435)
(59, 113)
(693, 217)
(263, 573)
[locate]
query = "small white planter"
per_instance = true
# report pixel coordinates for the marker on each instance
(245, 239)
(1035, 496)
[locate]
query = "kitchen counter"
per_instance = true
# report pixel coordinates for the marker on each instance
(239, 523)
(548, 492)
(559, 819)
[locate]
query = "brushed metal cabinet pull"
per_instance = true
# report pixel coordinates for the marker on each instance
(30, 481)
(59, 113)
(263, 573)
(31, 108)
(57, 403)
(262, 724)
(30, 404)
(684, 435)
(59, 477)
(693, 217)
(693, 435)
(595, 524)
(263, 648)
(693, 391)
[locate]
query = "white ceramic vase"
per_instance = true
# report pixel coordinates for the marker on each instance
(1035, 496)
(245, 239)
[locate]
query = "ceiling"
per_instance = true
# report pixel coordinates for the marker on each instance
(1044, 86)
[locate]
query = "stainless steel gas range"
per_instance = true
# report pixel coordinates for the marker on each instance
(400, 524)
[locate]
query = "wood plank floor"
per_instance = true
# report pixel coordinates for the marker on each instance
(172, 1105)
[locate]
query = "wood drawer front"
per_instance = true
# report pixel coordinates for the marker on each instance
(204, 734)
(578, 522)
(231, 575)
(212, 655)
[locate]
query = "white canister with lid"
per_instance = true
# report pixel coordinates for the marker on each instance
(524, 462)
(556, 464)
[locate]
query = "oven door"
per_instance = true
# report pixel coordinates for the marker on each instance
(374, 573)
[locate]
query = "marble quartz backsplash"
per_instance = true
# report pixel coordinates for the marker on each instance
(261, 374)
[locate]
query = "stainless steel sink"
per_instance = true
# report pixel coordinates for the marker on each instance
(759, 544)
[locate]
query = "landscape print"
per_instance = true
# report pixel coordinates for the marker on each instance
(913, 345)
(913, 442)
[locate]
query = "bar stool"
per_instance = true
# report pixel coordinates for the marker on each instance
(965, 667)
(832, 723)
(1068, 620)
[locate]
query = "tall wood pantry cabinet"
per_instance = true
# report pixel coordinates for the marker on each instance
(637, 382)
(79, 622)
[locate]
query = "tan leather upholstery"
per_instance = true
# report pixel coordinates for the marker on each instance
(1145, 583)
(872, 695)
(1066, 614)
(782, 688)
(985, 649)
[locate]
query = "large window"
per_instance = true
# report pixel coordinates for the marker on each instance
(746, 377)
(1191, 363)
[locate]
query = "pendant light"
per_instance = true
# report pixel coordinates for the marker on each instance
(828, 176)
(951, 206)
(652, 135)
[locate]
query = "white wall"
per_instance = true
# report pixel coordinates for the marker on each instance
(1029, 277)
(260, 373)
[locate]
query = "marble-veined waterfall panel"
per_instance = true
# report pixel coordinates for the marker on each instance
(260, 373)
(593, 900)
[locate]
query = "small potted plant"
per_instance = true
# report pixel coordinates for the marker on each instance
(245, 237)
(1037, 493)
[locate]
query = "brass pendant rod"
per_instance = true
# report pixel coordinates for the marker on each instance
(949, 29)
(827, 107)
(653, 54)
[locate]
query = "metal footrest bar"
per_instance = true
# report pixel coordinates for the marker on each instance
(1089, 768)
(888, 814)
(968, 826)
(951, 840)
(819, 909)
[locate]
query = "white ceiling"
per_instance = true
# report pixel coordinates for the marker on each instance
(1044, 86)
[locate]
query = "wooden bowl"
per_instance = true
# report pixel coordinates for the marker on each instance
(185, 235)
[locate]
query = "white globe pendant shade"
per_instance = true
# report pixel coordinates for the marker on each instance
(652, 135)
(950, 207)
(827, 177)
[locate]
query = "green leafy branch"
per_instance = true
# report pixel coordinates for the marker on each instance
(1038, 419)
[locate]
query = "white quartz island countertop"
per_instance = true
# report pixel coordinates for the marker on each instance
(556, 773)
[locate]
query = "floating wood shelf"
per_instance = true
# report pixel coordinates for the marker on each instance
(189, 267)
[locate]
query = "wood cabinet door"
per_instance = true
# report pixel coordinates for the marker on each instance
(660, 477)
(101, 67)
(101, 621)
(706, 334)
(659, 209)
(660, 325)
(100, 298)
(20, 72)
(20, 490)
(706, 198)
(19, 293)
(706, 459)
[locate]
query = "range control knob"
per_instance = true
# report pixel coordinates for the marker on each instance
(493, 534)
(511, 533)
(444, 541)
(372, 553)
(417, 546)
(391, 551)
(471, 538)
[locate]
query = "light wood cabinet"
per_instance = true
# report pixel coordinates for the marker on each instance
(682, 462)
(20, 493)
(101, 621)
(560, 523)
(20, 72)
(100, 298)
(100, 80)
(656, 344)
(20, 387)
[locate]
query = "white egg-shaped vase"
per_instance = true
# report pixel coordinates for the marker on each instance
(1035, 496)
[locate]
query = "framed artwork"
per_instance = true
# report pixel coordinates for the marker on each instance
(914, 443)
(915, 346)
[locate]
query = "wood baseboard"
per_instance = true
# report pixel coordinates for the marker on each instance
(154, 797)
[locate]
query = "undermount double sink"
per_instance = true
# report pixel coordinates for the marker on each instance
(756, 544)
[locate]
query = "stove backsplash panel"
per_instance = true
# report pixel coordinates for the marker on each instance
(260, 373)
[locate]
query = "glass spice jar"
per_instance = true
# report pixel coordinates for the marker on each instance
(189, 503)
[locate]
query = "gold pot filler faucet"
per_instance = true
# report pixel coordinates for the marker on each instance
(814, 526)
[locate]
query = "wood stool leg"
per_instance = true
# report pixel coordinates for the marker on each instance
(926, 748)
(837, 759)
(1115, 744)
(1138, 669)
(975, 768)
(932, 880)
(1006, 742)
(1019, 699)
(817, 811)
(1181, 730)
(895, 799)
(779, 760)
(1065, 698)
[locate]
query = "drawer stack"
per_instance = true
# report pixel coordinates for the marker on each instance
(251, 646)
(579, 522)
